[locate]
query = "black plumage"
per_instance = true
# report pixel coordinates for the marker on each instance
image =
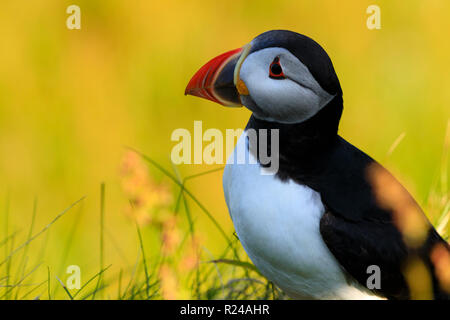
(356, 227)
(365, 204)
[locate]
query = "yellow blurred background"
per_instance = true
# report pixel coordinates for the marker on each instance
(71, 101)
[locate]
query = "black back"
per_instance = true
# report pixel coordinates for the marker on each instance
(357, 228)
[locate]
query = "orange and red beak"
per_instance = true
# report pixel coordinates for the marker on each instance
(215, 80)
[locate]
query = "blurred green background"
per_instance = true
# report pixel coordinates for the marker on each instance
(72, 100)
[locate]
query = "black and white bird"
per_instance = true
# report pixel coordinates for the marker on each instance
(331, 212)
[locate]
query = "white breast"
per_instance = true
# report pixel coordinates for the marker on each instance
(278, 225)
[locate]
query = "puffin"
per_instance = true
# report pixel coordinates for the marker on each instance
(330, 222)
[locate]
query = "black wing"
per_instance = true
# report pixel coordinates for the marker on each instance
(371, 219)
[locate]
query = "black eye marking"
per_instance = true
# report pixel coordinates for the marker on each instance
(275, 70)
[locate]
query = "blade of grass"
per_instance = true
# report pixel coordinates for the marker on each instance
(217, 270)
(395, 144)
(169, 175)
(68, 244)
(133, 273)
(105, 283)
(188, 212)
(6, 294)
(6, 217)
(48, 283)
(64, 287)
(25, 250)
(102, 218)
(141, 244)
(40, 232)
(241, 264)
(116, 246)
(7, 250)
(98, 274)
(119, 289)
(6, 240)
(445, 160)
(99, 289)
(8, 268)
(21, 275)
(32, 290)
(203, 173)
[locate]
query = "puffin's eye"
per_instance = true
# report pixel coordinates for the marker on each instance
(275, 70)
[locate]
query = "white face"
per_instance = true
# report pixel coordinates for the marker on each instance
(293, 98)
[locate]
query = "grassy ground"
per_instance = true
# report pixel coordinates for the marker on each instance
(161, 275)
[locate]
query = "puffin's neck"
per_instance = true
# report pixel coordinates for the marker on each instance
(303, 146)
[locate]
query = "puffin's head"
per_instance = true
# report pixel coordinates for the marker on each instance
(280, 76)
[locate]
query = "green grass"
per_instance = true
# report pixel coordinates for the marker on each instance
(224, 277)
